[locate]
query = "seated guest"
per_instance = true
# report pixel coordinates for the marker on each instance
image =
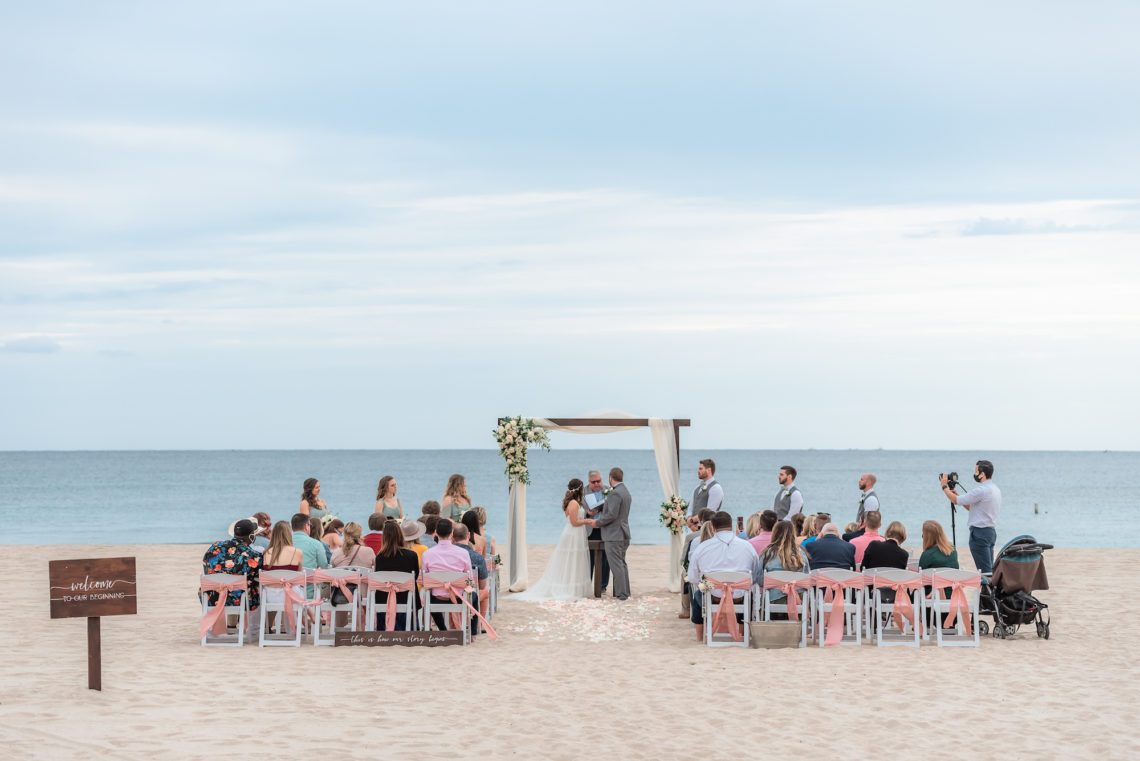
(481, 513)
(412, 531)
(798, 521)
(312, 551)
(760, 540)
(430, 509)
(937, 552)
(461, 535)
(445, 556)
(721, 552)
(235, 555)
(477, 540)
(281, 555)
(783, 553)
(849, 531)
(394, 556)
(830, 551)
(809, 530)
(261, 536)
(817, 522)
(332, 528)
(694, 523)
(316, 531)
(887, 553)
(353, 551)
(751, 526)
(872, 519)
(375, 539)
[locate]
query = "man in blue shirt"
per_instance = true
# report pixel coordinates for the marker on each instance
(983, 503)
(312, 551)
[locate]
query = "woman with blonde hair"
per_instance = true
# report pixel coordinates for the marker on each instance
(783, 553)
(752, 526)
(455, 497)
(888, 552)
(353, 551)
(808, 530)
(937, 552)
(481, 514)
(386, 500)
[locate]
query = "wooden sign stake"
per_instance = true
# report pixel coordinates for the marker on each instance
(94, 655)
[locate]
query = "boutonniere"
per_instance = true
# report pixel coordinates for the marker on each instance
(787, 492)
(606, 491)
(861, 499)
(704, 487)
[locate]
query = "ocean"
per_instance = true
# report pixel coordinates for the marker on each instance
(1082, 499)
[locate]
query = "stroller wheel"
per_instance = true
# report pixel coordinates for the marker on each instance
(999, 631)
(984, 628)
(1043, 629)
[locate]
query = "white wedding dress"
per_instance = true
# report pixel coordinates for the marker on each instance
(567, 575)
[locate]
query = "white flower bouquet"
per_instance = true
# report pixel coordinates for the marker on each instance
(673, 513)
(514, 435)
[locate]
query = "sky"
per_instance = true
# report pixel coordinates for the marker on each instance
(384, 225)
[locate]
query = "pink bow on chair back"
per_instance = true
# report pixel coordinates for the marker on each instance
(223, 584)
(286, 582)
(726, 612)
(456, 590)
(339, 580)
(391, 588)
(835, 593)
(789, 587)
(903, 607)
(958, 603)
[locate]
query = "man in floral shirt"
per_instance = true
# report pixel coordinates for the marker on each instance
(237, 556)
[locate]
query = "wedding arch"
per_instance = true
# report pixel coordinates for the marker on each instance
(513, 442)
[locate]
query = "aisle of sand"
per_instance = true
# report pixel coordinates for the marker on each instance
(544, 691)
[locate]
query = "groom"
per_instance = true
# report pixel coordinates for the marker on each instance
(614, 523)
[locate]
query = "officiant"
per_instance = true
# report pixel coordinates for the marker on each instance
(594, 496)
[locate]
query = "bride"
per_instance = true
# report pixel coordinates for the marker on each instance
(567, 575)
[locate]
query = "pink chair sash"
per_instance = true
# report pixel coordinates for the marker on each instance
(904, 609)
(213, 619)
(291, 596)
(789, 588)
(958, 602)
(456, 591)
(725, 612)
(834, 593)
(391, 587)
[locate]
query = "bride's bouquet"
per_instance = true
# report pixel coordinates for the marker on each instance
(514, 434)
(673, 512)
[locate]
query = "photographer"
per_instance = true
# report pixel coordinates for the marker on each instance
(983, 504)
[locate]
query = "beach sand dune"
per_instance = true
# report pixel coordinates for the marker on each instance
(564, 681)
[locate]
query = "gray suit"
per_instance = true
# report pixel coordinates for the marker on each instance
(614, 523)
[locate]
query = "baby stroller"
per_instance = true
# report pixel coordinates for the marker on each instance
(1006, 595)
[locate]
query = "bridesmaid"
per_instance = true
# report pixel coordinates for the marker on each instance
(455, 497)
(311, 503)
(386, 501)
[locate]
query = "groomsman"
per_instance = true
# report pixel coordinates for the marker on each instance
(594, 498)
(708, 493)
(789, 500)
(868, 500)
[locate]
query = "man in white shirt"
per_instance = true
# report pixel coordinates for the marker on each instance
(983, 503)
(723, 552)
(708, 493)
(789, 500)
(868, 499)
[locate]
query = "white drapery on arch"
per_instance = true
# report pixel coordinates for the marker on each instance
(668, 469)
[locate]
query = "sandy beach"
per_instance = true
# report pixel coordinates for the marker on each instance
(647, 689)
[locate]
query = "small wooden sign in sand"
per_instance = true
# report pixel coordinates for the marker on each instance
(404, 639)
(92, 588)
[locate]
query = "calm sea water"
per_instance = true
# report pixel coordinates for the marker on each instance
(1085, 499)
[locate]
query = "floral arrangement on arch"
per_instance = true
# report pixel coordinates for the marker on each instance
(514, 435)
(673, 513)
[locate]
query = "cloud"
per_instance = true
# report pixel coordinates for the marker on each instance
(987, 226)
(32, 345)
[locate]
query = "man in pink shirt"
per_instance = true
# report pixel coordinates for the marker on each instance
(763, 539)
(445, 556)
(872, 519)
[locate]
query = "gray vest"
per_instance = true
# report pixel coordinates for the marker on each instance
(783, 502)
(700, 498)
(871, 493)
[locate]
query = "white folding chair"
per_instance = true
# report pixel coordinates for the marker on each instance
(743, 607)
(868, 592)
(849, 585)
(234, 638)
(901, 583)
(384, 577)
(281, 638)
(361, 597)
(431, 603)
(965, 631)
(801, 591)
(326, 624)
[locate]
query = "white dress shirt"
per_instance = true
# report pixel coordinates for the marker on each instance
(797, 503)
(716, 497)
(724, 552)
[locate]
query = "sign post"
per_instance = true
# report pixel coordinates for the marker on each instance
(92, 588)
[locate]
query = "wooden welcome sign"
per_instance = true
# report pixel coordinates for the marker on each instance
(92, 588)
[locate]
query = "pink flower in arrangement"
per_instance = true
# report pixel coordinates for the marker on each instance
(229, 564)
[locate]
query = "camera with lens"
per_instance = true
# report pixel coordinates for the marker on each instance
(951, 479)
